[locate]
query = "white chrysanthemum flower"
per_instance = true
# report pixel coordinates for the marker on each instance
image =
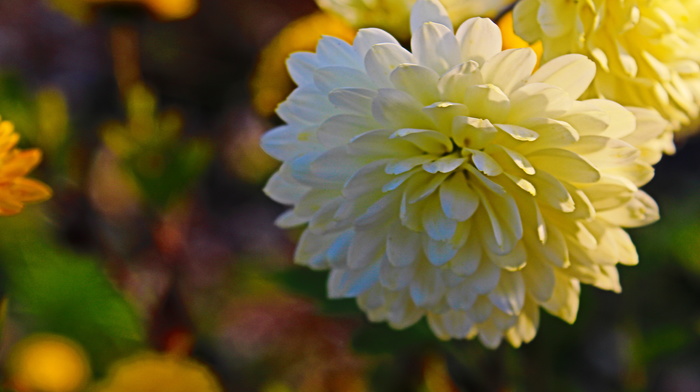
(393, 15)
(450, 182)
(647, 52)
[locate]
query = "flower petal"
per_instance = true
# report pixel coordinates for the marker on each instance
(509, 294)
(334, 51)
(479, 39)
(435, 47)
(427, 286)
(559, 72)
(565, 165)
(403, 246)
(510, 68)
(340, 129)
(429, 141)
(458, 200)
(327, 79)
(425, 11)
(438, 226)
(382, 59)
(366, 248)
(366, 38)
(418, 81)
(351, 283)
(397, 109)
(301, 67)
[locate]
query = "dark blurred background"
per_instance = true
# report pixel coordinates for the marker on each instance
(159, 239)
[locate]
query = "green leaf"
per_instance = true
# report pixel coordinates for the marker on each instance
(378, 338)
(54, 290)
(312, 284)
(303, 281)
(3, 313)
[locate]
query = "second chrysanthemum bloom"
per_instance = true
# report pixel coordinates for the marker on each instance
(647, 52)
(451, 182)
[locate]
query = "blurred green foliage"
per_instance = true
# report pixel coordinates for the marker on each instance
(56, 290)
(312, 284)
(151, 150)
(43, 120)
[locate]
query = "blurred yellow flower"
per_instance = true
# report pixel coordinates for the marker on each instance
(393, 15)
(512, 41)
(271, 83)
(173, 9)
(647, 52)
(15, 164)
(276, 386)
(48, 363)
(436, 375)
(162, 9)
(149, 372)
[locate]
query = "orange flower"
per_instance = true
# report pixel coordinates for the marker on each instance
(15, 189)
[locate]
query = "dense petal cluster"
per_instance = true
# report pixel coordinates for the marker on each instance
(393, 15)
(15, 164)
(647, 52)
(452, 182)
